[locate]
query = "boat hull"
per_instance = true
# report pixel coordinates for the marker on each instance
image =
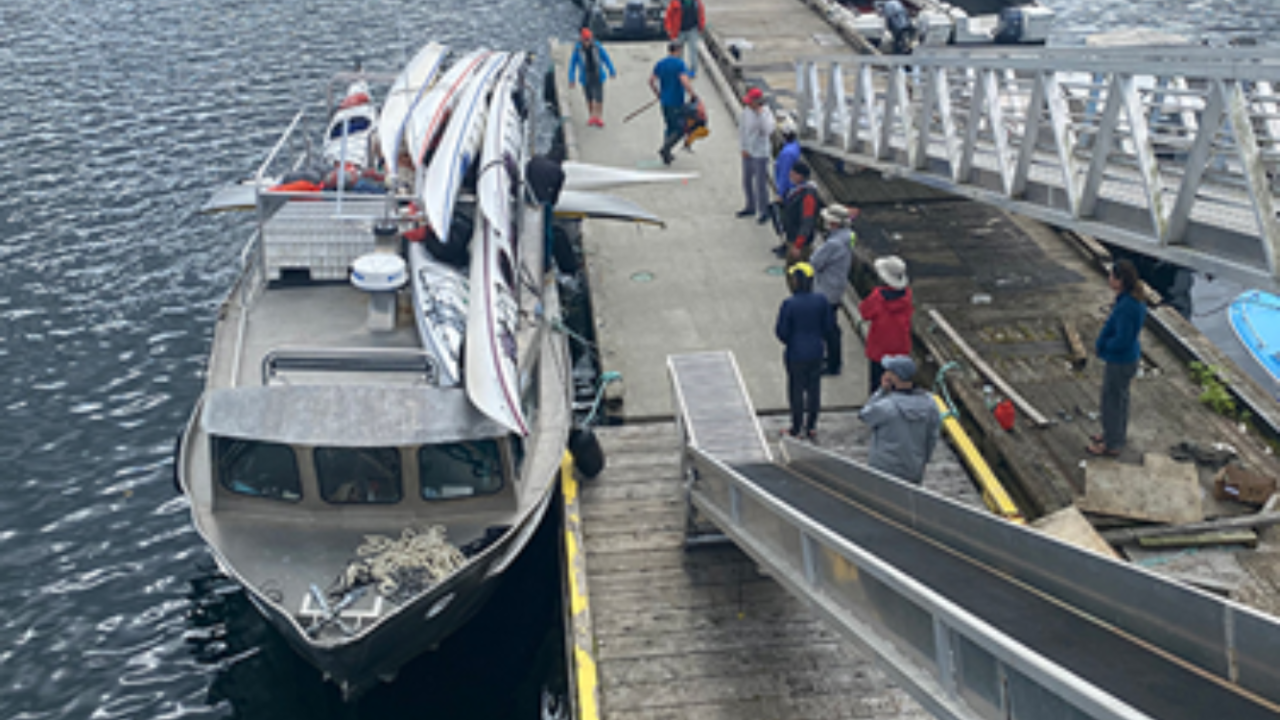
(1255, 319)
(419, 626)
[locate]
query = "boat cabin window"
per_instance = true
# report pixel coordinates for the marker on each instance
(355, 125)
(459, 470)
(261, 469)
(359, 476)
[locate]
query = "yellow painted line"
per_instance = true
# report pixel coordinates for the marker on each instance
(587, 682)
(993, 493)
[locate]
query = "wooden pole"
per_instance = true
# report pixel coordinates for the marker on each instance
(986, 371)
(1256, 520)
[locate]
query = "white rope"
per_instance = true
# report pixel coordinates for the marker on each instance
(423, 556)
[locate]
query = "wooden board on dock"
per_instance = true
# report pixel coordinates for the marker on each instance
(1070, 526)
(1159, 490)
(700, 633)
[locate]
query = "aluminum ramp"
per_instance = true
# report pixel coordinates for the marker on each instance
(975, 616)
(713, 413)
(1172, 152)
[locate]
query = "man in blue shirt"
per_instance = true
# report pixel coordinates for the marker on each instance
(670, 82)
(787, 156)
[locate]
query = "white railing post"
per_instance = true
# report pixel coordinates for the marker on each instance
(834, 110)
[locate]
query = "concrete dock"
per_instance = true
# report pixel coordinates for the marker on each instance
(706, 282)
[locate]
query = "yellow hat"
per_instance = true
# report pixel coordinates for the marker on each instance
(802, 267)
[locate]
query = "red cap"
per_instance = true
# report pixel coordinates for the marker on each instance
(586, 33)
(754, 95)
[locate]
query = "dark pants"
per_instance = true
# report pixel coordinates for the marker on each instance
(673, 116)
(804, 394)
(835, 360)
(594, 91)
(877, 372)
(1115, 403)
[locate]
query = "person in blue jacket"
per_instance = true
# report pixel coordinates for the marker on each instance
(804, 320)
(787, 156)
(1117, 346)
(588, 64)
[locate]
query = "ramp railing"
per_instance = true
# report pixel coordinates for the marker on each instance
(1167, 151)
(957, 662)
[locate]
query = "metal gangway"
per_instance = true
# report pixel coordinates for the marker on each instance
(1167, 151)
(976, 617)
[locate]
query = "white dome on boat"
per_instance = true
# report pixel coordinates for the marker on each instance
(379, 272)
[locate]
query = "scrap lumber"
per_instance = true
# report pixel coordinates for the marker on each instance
(1255, 521)
(1069, 525)
(1075, 347)
(1159, 490)
(1036, 418)
(1216, 537)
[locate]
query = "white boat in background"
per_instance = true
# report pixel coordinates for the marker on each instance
(406, 92)
(349, 137)
(491, 327)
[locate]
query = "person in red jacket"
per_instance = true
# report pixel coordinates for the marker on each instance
(684, 21)
(887, 310)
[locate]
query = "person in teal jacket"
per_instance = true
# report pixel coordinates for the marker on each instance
(588, 64)
(1118, 347)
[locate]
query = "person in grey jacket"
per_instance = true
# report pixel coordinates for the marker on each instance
(904, 422)
(755, 128)
(831, 263)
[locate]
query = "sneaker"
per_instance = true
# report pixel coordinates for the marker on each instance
(791, 434)
(600, 123)
(762, 220)
(745, 212)
(812, 436)
(667, 158)
(780, 251)
(831, 371)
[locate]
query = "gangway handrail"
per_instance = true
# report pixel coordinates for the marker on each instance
(933, 689)
(1226, 646)
(1172, 152)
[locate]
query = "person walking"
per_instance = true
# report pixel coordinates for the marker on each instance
(803, 321)
(831, 262)
(670, 81)
(904, 422)
(1117, 346)
(799, 215)
(684, 22)
(589, 63)
(887, 309)
(755, 130)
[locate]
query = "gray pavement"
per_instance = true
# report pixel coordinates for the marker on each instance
(707, 281)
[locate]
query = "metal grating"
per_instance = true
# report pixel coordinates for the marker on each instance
(715, 410)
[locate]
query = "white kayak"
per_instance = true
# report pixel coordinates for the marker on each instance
(348, 137)
(439, 183)
(406, 92)
(440, 298)
(583, 204)
(429, 116)
(493, 381)
(585, 176)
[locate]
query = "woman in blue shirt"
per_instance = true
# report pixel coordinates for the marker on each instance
(1117, 346)
(804, 321)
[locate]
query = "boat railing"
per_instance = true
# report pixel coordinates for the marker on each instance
(367, 360)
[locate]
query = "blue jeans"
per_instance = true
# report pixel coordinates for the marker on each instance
(690, 40)
(673, 116)
(755, 184)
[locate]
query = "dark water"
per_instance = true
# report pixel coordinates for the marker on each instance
(120, 117)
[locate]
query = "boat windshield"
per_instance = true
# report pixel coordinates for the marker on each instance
(359, 475)
(261, 469)
(459, 470)
(354, 125)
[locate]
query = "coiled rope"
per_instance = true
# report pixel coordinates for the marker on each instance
(401, 568)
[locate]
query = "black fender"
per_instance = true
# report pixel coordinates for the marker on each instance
(588, 456)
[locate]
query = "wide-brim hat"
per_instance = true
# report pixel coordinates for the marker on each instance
(838, 215)
(893, 271)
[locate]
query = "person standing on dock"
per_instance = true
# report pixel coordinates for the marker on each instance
(1118, 347)
(887, 310)
(804, 320)
(670, 82)
(684, 21)
(831, 263)
(755, 128)
(904, 422)
(589, 61)
(799, 215)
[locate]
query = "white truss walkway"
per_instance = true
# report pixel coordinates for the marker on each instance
(1171, 152)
